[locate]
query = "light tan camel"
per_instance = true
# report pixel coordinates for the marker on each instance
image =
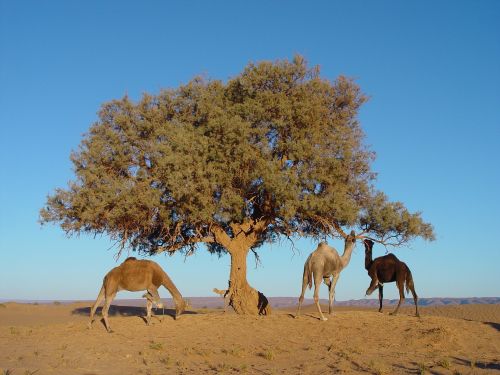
(135, 275)
(325, 263)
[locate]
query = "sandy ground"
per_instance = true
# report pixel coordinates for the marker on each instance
(54, 339)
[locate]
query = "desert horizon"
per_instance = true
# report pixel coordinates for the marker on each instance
(276, 302)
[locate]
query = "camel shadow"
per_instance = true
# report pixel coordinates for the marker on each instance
(115, 310)
(306, 315)
(415, 367)
(493, 325)
(479, 364)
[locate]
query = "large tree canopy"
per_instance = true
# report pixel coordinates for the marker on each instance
(275, 151)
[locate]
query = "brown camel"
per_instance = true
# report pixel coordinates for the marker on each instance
(325, 263)
(387, 269)
(135, 275)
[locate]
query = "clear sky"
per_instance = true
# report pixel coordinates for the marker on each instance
(431, 69)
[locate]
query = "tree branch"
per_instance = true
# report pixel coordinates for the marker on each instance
(221, 237)
(176, 246)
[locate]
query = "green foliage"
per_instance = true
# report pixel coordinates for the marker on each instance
(276, 145)
(391, 222)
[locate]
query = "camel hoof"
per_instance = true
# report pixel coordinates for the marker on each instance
(393, 313)
(323, 319)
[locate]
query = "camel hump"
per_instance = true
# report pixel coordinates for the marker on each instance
(322, 245)
(392, 256)
(129, 258)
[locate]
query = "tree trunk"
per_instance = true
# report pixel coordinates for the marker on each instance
(243, 298)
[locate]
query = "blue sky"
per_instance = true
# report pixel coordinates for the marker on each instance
(431, 69)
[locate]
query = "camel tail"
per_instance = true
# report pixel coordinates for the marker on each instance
(409, 281)
(307, 277)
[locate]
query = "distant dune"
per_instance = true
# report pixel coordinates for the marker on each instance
(284, 302)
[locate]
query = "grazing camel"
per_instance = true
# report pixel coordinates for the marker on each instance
(387, 269)
(135, 275)
(325, 263)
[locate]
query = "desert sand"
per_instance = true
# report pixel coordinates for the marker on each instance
(54, 339)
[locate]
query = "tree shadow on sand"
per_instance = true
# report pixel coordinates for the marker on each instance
(115, 310)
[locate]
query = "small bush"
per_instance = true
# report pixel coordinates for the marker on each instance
(269, 355)
(155, 345)
(444, 363)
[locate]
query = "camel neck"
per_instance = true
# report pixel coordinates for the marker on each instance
(170, 286)
(346, 256)
(368, 260)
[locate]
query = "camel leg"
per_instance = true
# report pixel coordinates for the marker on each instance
(374, 283)
(331, 293)
(153, 291)
(400, 285)
(415, 298)
(149, 306)
(372, 287)
(380, 296)
(151, 299)
(328, 283)
(97, 302)
(105, 309)
(301, 298)
(317, 284)
(148, 296)
(327, 280)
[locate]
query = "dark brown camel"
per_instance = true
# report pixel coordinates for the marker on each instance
(387, 269)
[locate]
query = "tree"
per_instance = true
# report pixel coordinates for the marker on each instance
(275, 152)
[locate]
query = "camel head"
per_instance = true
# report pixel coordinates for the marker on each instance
(351, 237)
(368, 245)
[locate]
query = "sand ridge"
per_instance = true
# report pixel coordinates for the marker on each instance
(53, 339)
